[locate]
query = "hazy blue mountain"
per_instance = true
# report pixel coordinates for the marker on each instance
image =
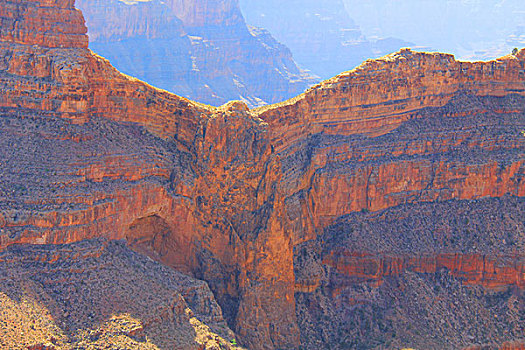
(322, 36)
(200, 49)
(471, 29)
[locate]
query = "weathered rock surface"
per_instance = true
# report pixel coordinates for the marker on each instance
(51, 23)
(236, 197)
(99, 294)
(202, 50)
(380, 94)
(427, 275)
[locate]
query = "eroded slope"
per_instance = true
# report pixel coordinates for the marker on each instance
(97, 294)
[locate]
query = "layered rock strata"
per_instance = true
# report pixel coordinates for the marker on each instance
(254, 202)
(48, 24)
(455, 269)
(379, 95)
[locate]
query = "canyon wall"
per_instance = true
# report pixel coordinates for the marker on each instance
(215, 13)
(380, 94)
(350, 156)
(285, 211)
(53, 23)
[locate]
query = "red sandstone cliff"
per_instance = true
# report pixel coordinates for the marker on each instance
(51, 23)
(380, 94)
(232, 195)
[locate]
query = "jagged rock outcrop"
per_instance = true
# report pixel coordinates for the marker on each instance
(262, 204)
(202, 50)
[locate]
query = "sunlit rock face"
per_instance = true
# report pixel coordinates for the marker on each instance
(50, 23)
(323, 222)
(202, 50)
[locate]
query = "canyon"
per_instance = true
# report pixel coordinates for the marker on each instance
(382, 208)
(202, 50)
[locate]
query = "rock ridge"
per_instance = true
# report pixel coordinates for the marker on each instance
(380, 94)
